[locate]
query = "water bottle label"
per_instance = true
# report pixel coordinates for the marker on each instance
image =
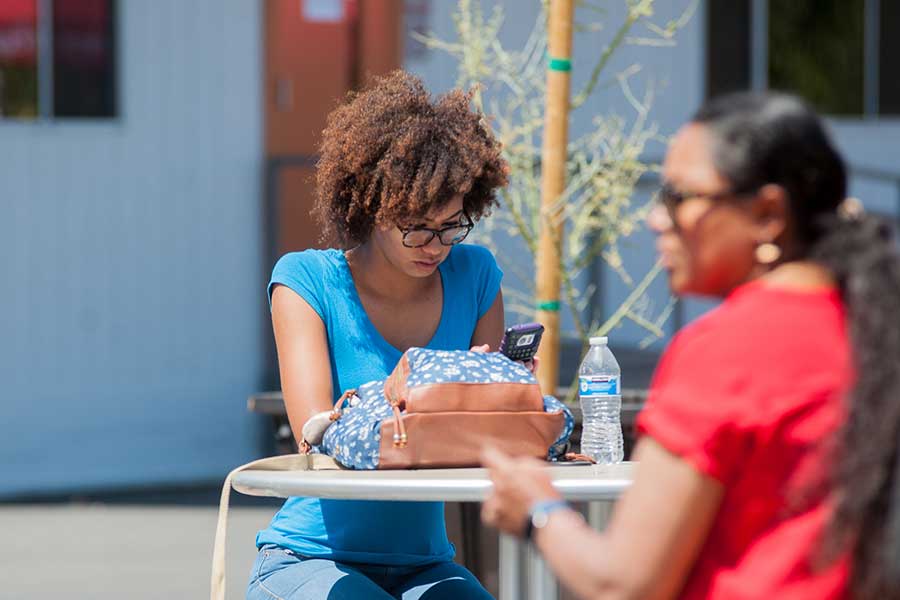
(597, 385)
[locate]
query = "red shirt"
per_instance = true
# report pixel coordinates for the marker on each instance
(752, 395)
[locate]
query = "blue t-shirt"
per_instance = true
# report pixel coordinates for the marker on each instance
(365, 531)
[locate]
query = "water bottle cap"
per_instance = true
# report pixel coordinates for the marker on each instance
(599, 341)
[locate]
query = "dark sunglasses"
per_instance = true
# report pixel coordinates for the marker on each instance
(416, 237)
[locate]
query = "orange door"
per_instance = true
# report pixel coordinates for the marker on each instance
(315, 52)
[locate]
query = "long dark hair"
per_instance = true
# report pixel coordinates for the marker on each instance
(761, 138)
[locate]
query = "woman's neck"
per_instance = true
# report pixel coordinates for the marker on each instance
(799, 275)
(374, 274)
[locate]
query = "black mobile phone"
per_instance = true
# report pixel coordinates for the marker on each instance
(520, 342)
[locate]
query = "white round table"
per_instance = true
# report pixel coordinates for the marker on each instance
(522, 571)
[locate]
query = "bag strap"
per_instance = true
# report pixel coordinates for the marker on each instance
(289, 462)
(572, 456)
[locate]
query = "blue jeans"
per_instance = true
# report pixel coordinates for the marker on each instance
(282, 574)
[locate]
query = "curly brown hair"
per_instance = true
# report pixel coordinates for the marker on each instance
(391, 154)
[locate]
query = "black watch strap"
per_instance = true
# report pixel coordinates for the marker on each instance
(529, 528)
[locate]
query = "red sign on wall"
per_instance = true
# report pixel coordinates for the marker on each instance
(18, 32)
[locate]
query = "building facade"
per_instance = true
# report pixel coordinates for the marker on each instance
(148, 185)
(131, 237)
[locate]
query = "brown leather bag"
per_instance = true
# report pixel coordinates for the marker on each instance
(440, 408)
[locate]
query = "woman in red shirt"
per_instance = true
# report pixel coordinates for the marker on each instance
(767, 469)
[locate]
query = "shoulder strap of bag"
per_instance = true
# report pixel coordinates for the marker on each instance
(289, 462)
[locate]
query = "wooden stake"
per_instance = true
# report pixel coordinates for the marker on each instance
(553, 181)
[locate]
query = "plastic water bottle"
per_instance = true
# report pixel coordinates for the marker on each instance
(601, 404)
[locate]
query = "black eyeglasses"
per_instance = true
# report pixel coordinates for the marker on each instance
(671, 198)
(416, 237)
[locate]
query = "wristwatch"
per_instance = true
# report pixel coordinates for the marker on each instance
(539, 515)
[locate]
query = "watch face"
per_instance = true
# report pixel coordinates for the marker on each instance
(539, 519)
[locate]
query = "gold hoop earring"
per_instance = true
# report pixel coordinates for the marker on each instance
(767, 253)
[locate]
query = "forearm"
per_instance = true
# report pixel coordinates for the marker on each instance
(489, 329)
(580, 557)
(650, 545)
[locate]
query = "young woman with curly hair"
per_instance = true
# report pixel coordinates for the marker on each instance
(769, 463)
(401, 180)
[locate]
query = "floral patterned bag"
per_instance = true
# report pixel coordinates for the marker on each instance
(438, 409)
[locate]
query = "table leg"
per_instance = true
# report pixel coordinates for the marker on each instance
(599, 514)
(524, 574)
(510, 568)
(541, 583)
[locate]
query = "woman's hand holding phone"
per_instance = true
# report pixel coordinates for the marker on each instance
(520, 343)
(531, 364)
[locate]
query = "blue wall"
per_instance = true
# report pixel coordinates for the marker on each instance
(130, 264)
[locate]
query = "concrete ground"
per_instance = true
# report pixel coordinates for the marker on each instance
(95, 551)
